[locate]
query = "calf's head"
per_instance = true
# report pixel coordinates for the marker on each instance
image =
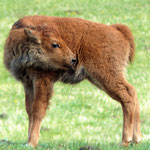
(48, 50)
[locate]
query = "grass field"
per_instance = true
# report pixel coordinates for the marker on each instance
(78, 115)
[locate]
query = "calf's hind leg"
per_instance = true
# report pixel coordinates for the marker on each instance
(119, 89)
(42, 87)
(137, 129)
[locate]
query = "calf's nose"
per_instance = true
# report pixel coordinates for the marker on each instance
(73, 61)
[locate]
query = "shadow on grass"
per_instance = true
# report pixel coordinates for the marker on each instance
(72, 145)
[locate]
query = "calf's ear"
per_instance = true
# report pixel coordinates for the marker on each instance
(31, 35)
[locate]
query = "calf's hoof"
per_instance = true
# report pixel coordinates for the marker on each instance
(137, 140)
(126, 143)
(33, 145)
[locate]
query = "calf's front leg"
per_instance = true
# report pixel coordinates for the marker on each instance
(42, 90)
(28, 88)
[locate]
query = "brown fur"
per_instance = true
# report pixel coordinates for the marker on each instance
(101, 52)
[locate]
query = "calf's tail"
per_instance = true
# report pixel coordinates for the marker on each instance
(129, 37)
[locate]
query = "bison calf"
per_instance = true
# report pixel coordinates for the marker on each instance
(41, 50)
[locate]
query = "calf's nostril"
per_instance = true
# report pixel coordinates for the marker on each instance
(73, 60)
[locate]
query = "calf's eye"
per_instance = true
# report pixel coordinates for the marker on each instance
(55, 45)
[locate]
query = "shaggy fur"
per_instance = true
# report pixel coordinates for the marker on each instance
(41, 50)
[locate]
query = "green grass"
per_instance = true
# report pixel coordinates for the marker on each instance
(80, 115)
